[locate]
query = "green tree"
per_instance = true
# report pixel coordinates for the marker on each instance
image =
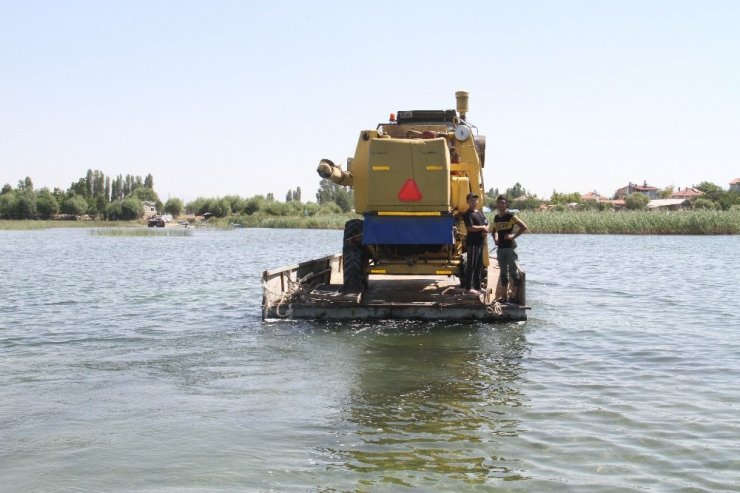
(149, 181)
(704, 203)
(7, 188)
(75, 205)
(25, 185)
(528, 203)
(636, 202)
(114, 210)
(174, 207)
(329, 208)
(277, 208)
(89, 184)
(145, 193)
(565, 198)
(717, 194)
(46, 204)
(711, 191)
(666, 192)
(331, 192)
(516, 191)
(220, 207)
(116, 188)
(131, 208)
(254, 204)
(78, 188)
(7, 204)
(199, 206)
(236, 203)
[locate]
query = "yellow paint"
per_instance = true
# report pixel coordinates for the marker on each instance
(407, 159)
(444, 272)
(402, 213)
(377, 271)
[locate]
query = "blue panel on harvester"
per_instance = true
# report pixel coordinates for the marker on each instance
(407, 230)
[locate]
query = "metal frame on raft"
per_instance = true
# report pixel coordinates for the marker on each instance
(313, 290)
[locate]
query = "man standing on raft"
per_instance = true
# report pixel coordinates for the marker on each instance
(504, 236)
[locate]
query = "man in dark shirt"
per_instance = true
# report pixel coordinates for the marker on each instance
(504, 223)
(476, 225)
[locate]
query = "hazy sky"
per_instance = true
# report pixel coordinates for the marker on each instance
(220, 97)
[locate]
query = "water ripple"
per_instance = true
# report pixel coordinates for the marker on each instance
(142, 363)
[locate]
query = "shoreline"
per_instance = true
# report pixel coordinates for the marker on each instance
(700, 222)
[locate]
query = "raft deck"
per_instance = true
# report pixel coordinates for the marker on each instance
(313, 290)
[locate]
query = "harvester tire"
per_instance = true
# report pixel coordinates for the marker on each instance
(354, 261)
(352, 230)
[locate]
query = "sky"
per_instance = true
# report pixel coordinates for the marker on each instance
(244, 97)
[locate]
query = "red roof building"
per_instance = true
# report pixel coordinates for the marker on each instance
(593, 196)
(686, 193)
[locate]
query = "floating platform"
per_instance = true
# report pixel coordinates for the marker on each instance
(313, 290)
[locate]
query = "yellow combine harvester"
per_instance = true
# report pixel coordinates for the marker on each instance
(410, 178)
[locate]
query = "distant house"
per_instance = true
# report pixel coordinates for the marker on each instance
(593, 196)
(150, 208)
(668, 204)
(686, 193)
(735, 185)
(645, 189)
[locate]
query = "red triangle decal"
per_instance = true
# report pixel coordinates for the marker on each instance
(409, 192)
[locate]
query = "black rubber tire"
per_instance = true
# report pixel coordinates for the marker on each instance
(353, 269)
(354, 261)
(352, 228)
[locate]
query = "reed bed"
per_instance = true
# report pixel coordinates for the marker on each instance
(141, 232)
(33, 224)
(699, 222)
(329, 221)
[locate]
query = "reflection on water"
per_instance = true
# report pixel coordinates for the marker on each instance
(436, 402)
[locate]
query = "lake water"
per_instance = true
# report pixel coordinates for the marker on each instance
(142, 364)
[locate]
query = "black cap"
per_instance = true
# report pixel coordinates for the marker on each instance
(471, 195)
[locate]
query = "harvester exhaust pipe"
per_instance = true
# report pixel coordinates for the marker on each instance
(462, 103)
(330, 171)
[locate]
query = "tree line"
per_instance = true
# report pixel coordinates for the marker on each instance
(121, 198)
(330, 199)
(95, 195)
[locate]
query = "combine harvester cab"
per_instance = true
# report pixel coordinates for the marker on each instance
(403, 259)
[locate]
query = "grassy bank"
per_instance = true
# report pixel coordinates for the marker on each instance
(698, 222)
(30, 224)
(330, 221)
